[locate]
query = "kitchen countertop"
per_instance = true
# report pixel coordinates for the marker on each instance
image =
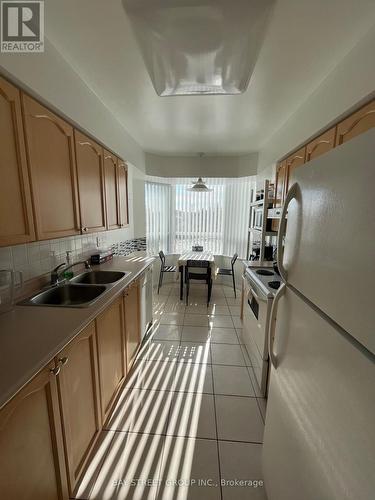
(31, 336)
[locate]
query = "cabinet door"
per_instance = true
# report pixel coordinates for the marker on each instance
(79, 397)
(90, 183)
(280, 184)
(123, 192)
(294, 161)
(112, 190)
(132, 323)
(50, 149)
(356, 124)
(111, 354)
(16, 219)
(31, 449)
(322, 144)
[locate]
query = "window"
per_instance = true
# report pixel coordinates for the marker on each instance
(217, 220)
(158, 216)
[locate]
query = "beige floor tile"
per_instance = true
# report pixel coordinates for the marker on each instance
(198, 309)
(249, 356)
(235, 311)
(191, 461)
(224, 336)
(158, 375)
(130, 456)
(195, 333)
(174, 307)
(238, 419)
(229, 292)
(232, 301)
(172, 319)
(193, 415)
(219, 300)
(196, 319)
(225, 354)
(195, 352)
(254, 382)
(167, 332)
(237, 322)
(164, 350)
(193, 377)
(221, 322)
(96, 460)
(241, 461)
(219, 310)
(141, 411)
(232, 380)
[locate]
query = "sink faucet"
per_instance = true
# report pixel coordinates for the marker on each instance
(55, 275)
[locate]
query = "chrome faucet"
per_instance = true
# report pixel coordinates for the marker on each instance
(55, 275)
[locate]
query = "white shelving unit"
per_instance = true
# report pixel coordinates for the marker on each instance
(259, 209)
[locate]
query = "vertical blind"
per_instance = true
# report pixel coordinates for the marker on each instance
(158, 216)
(217, 220)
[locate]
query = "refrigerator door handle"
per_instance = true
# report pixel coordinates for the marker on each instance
(272, 324)
(292, 193)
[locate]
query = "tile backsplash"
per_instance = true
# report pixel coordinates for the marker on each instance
(38, 258)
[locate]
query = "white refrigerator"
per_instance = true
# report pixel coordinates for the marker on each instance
(319, 441)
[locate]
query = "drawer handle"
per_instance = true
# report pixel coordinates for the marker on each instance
(55, 371)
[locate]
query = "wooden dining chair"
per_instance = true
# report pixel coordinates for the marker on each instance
(229, 272)
(164, 269)
(191, 275)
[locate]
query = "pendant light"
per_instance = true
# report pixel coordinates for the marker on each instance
(199, 186)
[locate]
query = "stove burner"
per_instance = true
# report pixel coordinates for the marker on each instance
(274, 284)
(264, 272)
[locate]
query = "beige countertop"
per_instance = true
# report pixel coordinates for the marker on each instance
(30, 336)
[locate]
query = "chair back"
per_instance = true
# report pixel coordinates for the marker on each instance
(234, 258)
(198, 263)
(162, 257)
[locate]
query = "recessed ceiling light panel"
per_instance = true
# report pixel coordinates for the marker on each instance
(195, 47)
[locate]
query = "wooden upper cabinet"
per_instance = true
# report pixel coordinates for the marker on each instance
(16, 217)
(111, 354)
(292, 162)
(123, 192)
(31, 450)
(280, 184)
(112, 190)
(91, 184)
(356, 124)
(320, 145)
(50, 148)
(79, 396)
(132, 321)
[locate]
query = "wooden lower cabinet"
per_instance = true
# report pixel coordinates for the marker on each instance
(31, 451)
(79, 401)
(132, 321)
(111, 354)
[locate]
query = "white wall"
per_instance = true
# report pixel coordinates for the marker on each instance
(207, 166)
(49, 77)
(350, 81)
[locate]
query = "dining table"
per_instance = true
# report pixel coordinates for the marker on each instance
(190, 255)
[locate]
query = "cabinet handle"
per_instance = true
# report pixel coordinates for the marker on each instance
(55, 371)
(84, 229)
(63, 360)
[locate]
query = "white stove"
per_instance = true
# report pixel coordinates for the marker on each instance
(260, 287)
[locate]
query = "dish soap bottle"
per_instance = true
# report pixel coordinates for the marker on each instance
(68, 275)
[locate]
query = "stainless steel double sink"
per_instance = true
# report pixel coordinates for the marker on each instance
(81, 291)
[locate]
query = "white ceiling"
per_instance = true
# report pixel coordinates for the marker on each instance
(304, 41)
